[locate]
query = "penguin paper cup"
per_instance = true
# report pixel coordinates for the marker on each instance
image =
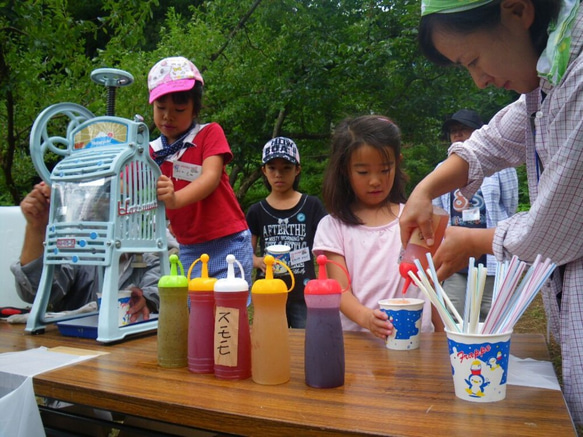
(479, 364)
(280, 252)
(405, 315)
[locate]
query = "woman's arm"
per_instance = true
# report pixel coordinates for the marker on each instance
(451, 174)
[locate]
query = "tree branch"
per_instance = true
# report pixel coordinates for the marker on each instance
(233, 32)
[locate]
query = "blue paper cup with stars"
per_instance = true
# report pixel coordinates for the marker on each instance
(405, 315)
(479, 364)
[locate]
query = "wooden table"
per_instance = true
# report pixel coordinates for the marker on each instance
(399, 393)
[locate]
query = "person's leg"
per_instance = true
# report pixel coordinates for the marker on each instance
(455, 288)
(296, 312)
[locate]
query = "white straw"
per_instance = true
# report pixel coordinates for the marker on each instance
(469, 287)
(444, 314)
(450, 305)
(515, 287)
(479, 282)
(432, 296)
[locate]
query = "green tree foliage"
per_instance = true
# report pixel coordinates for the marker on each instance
(46, 57)
(271, 67)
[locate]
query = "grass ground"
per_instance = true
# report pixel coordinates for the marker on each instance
(534, 321)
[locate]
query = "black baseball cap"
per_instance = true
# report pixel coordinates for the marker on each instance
(467, 117)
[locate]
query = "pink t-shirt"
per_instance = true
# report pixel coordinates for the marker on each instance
(371, 255)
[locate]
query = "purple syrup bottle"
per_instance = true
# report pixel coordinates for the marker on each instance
(324, 343)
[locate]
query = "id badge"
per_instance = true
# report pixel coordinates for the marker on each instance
(471, 215)
(186, 171)
(299, 256)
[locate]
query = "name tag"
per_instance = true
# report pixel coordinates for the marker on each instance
(299, 256)
(186, 171)
(470, 215)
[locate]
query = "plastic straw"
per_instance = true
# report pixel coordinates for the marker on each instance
(479, 275)
(434, 277)
(449, 304)
(469, 286)
(541, 272)
(515, 287)
(432, 296)
(524, 305)
(508, 285)
(428, 288)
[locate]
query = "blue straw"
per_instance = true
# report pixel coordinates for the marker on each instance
(434, 277)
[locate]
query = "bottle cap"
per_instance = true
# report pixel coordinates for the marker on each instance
(269, 285)
(404, 269)
(323, 285)
(231, 282)
(174, 280)
(203, 283)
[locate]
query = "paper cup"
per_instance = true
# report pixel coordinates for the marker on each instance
(281, 253)
(479, 364)
(123, 305)
(405, 315)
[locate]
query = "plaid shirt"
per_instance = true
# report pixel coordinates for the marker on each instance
(544, 129)
(500, 193)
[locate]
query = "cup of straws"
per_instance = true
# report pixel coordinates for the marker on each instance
(479, 352)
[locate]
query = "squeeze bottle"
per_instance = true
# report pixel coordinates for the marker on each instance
(324, 345)
(232, 339)
(173, 317)
(270, 356)
(201, 324)
(417, 248)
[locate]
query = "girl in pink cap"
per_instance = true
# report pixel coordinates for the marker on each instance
(204, 213)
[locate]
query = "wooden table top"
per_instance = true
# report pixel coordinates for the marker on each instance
(399, 393)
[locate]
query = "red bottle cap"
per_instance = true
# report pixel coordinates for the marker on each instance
(404, 269)
(325, 285)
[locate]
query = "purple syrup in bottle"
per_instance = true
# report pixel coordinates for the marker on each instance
(324, 343)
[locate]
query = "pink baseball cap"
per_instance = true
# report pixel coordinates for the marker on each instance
(171, 75)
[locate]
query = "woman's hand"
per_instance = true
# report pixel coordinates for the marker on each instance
(458, 245)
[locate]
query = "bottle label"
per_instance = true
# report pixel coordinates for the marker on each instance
(226, 336)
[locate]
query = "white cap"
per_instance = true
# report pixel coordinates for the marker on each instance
(231, 283)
